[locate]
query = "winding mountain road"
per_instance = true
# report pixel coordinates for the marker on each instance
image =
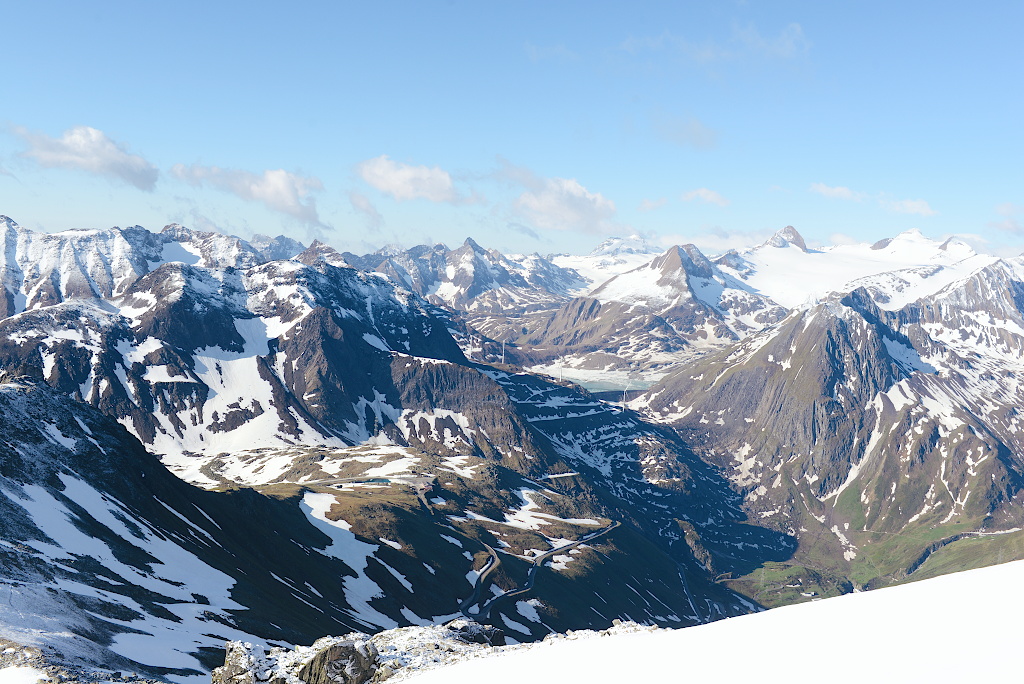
(484, 610)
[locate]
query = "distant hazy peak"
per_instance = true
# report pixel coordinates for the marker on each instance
(275, 248)
(787, 236)
(634, 244)
(321, 251)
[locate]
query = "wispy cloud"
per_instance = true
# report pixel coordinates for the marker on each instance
(408, 182)
(705, 195)
(789, 43)
(564, 204)
(836, 192)
(744, 42)
(687, 131)
(554, 203)
(525, 230)
(88, 149)
(1010, 218)
(516, 176)
(650, 205)
(918, 207)
(697, 51)
(364, 206)
(278, 189)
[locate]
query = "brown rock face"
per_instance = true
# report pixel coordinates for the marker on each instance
(348, 662)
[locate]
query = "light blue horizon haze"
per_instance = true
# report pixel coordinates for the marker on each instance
(528, 126)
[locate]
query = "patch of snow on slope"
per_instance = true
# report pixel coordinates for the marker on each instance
(912, 643)
(612, 257)
(640, 286)
(235, 384)
(22, 674)
(906, 357)
(360, 590)
(769, 270)
(175, 574)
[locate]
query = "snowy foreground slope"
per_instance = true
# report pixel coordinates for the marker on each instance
(963, 627)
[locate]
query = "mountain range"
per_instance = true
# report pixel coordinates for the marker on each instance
(207, 438)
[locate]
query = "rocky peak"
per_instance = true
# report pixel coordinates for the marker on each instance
(8, 223)
(276, 248)
(959, 247)
(472, 244)
(318, 251)
(682, 261)
(695, 262)
(786, 237)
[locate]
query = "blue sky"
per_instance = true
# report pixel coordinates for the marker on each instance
(531, 126)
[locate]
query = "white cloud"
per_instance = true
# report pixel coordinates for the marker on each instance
(790, 42)
(705, 195)
(836, 192)
(363, 205)
(651, 205)
(745, 43)
(686, 131)
(525, 230)
(89, 149)
(408, 182)
(918, 207)
(1010, 220)
(698, 51)
(277, 189)
(564, 204)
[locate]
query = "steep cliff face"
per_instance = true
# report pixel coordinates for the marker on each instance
(851, 426)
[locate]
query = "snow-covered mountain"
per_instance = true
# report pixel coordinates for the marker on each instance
(852, 431)
(847, 423)
(896, 271)
(675, 307)
(41, 269)
(425, 485)
(471, 278)
(610, 258)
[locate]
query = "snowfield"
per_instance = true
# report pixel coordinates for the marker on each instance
(901, 269)
(911, 633)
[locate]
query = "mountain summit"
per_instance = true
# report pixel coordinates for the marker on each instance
(787, 236)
